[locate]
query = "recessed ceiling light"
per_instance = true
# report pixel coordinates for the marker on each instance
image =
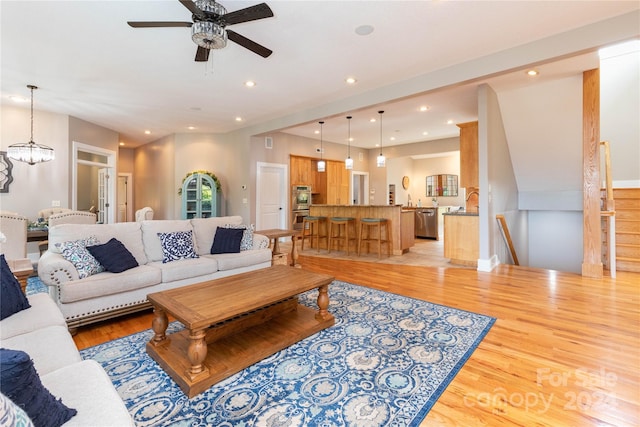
(425, 133)
(449, 122)
(191, 127)
(351, 80)
(532, 72)
(121, 144)
(238, 119)
(393, 138)
(147, 132)
(364, 30)
(250, 83)
(316, 132)
(17, 98)
(425, 108)
(372, 119)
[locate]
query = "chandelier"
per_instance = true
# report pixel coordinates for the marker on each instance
(207, 34)
(30, 152)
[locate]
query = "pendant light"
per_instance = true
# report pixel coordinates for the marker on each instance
(30, 152)
(380, 161)
(348, 162)
(321, 163)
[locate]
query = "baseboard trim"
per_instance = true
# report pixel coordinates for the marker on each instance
(488, 264)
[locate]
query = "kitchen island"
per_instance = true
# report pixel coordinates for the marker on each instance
(402, 220)
(461, 238)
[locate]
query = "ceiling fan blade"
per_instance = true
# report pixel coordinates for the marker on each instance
(189, 4)
(202, 54)
(251, 13)
(156, 24)
(249, 44)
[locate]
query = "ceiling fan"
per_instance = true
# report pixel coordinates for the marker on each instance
(208, 27)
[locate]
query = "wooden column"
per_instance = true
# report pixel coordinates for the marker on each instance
(592, 249)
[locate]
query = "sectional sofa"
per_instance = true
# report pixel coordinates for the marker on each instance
(85, 298)
(40, 331)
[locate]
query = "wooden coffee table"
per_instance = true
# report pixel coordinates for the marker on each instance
(234, 322)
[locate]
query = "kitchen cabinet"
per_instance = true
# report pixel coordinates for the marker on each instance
(337, 183)
(462, 238)
(200, 197)
(300, 173)
(468, 155)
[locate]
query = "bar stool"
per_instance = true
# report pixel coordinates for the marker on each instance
(341, 223)
(314, 223)
(368, 223)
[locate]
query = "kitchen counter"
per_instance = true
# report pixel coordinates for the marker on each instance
(402, 220)
(461, 213)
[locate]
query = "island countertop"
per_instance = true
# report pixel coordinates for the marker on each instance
(402, 221)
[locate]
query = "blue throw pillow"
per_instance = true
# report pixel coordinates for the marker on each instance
(113, 256)
(227, 241)
(19, 381)
(177, 245)
(12, 299)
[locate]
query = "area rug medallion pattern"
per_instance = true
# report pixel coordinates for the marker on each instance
(384, 363)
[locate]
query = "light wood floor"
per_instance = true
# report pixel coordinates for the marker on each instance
(564, 350)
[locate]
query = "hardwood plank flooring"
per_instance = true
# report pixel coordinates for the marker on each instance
(564, 350)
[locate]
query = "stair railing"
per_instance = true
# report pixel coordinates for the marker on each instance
(608, 211)
(507, 238)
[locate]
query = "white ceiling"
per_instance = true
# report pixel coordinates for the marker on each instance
(88, 63)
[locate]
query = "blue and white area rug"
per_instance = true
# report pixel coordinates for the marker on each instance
(384, 363)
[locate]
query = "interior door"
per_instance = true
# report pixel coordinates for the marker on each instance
(123, 195)
(103, 195)
(271, 197)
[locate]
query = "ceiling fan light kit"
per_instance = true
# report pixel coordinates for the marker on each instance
(208, 29)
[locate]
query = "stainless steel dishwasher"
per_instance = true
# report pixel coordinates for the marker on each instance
(427, 223)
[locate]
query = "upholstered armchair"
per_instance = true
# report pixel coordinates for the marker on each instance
(13, 244)
(144, 214)
(68, 217)
(47, 212)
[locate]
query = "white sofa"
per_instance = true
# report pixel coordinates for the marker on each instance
(83, 385)
(105, 295)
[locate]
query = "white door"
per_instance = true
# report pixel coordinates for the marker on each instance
(271, 196)
(125, 205)
(103, 196)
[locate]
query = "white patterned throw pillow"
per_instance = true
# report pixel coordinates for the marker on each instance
(77, 254)
(177, 245)
(247, 236)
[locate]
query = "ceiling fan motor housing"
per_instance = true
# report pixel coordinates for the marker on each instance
(208, 33)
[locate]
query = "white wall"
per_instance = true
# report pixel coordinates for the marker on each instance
(547, 232)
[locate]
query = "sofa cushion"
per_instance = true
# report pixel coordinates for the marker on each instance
(247, 235)
(113, 256)
(186, 269)
(129, 233)
(150, 230)
(19, 381)
(11, 414)
(86, 387)
(77, 254)
(50, 348)
(42, 313)
(227, 241)
(204, 230)
(177, 245)
(12, 299)
(108, 283)
(243, 259)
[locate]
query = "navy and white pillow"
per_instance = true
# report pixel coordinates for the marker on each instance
(177, 245)
(77, 254)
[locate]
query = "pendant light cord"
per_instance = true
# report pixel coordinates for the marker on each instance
(381, 112)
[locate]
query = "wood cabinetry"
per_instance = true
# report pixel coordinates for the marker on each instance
(337, 183)
(300, 170)
(461, 239)
(331, 186)
(468, 154)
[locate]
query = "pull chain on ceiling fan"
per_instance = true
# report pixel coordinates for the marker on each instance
(208, 29)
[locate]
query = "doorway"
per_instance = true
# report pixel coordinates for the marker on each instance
(359, 188)
(125, 197)
(271, 196)
(92, 180)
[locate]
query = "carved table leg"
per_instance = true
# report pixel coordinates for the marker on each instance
(159, 325)
(323, 303)
(276, 246)
(294, 251)
(196, 353)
